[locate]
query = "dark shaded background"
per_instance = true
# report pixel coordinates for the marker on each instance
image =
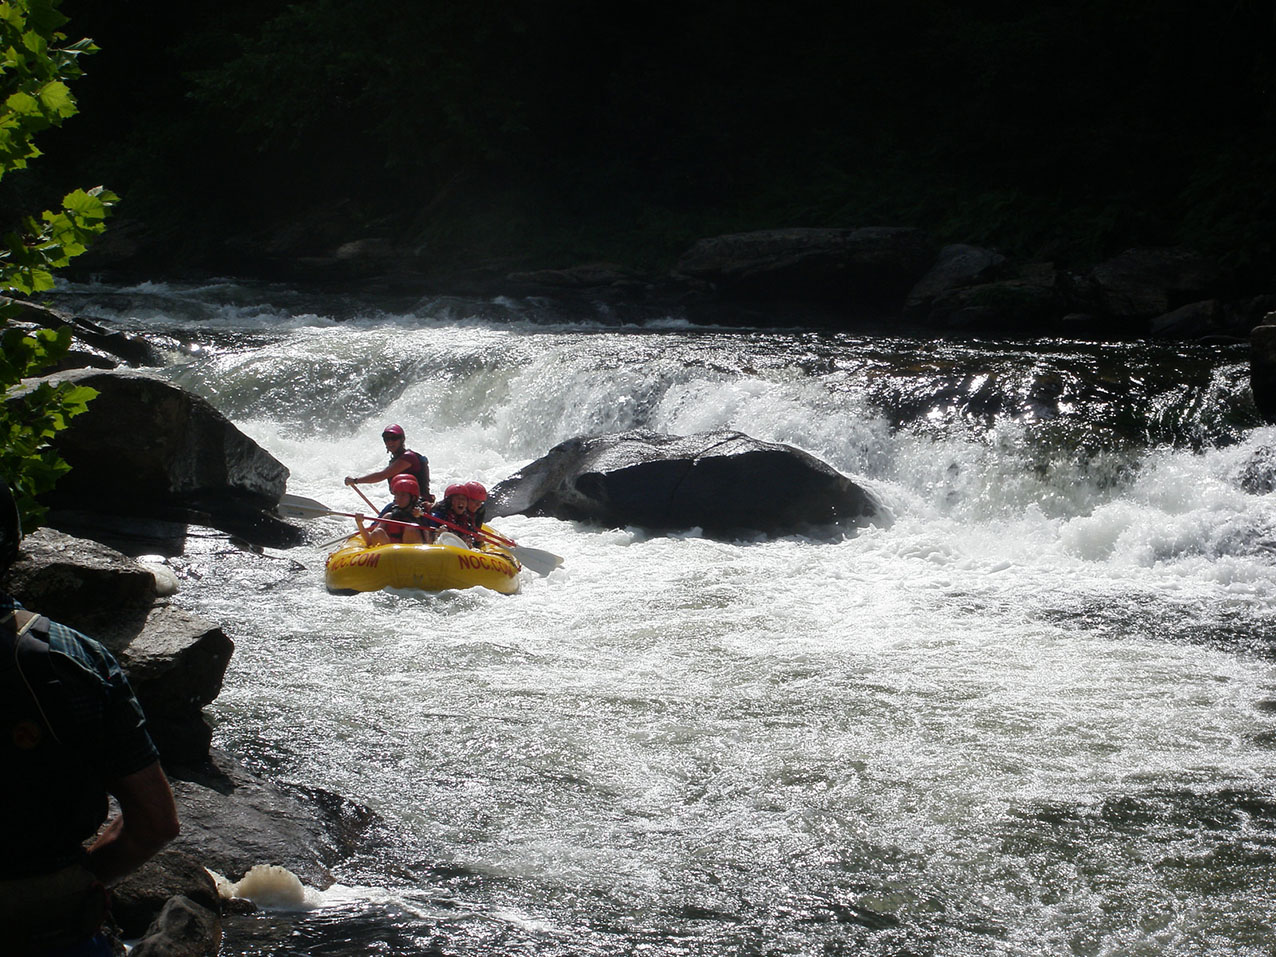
(499, 135)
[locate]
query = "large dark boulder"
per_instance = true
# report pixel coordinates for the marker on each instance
(1148, 282)
(1023, 304)
(1193, 321)
(958, 266)
(868, 268)
(723, 482)
(584, 276)
(233, 820)
(149, 449)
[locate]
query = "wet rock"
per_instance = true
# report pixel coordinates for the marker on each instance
(174, 660)
(138, 898)
(125, 533)
(1262, 367)
(1192, 321)
(146, 448)
(958, 267)
(1022, 305)
(182, 929)
(92, 345)
(869, 267)
(232, 820)
(1258, 474)
(1144, 283)
(723, 482)
(587, 275)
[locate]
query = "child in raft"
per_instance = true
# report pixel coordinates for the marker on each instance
(477, 495)
(406, 507)
(454, 513)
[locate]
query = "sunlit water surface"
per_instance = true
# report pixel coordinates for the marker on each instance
(1034, 715)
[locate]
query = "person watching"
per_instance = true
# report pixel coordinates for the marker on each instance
(71, 733)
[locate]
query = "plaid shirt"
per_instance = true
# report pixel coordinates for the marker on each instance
(125, 744)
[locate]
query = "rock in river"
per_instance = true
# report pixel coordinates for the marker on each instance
(723, 482)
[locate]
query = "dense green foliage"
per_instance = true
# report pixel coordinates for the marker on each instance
(29, 422)
(563, 130)
(34, 97)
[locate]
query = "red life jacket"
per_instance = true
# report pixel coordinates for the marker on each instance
(418, 468)
(392, 511)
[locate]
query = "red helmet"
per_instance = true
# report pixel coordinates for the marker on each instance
(476, 491)
(405, 483)
(455, 489)
(392, 430)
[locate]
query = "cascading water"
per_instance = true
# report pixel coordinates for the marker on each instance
(1035, 715)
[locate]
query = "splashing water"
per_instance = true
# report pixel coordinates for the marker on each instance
(1036, 715)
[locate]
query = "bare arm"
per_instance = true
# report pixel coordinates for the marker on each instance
(394, 468)
(147, 821)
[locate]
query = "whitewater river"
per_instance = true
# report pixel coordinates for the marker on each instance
(1036, 714)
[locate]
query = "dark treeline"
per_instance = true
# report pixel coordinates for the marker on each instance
(503, 134)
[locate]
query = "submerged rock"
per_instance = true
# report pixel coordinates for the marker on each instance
(724, 482)
(1257, 475)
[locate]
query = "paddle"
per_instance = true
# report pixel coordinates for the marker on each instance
(332, 541)
(539, 560)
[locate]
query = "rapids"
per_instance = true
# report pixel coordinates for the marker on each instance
(1035, 715)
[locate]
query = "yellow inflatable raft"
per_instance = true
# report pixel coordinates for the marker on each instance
(448, 563)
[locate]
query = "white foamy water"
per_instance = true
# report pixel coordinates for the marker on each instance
(1034, 715)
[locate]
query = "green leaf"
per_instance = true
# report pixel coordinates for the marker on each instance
(56, 98)
(85, 205)
(24, 104)
(36, 64)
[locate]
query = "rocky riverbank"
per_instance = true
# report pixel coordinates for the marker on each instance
(156, 467)
(232, 819)
(891, 280)
(872, 277)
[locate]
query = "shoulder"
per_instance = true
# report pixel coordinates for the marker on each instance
(85, 654)
(98, 694)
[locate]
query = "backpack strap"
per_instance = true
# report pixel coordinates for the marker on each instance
(31, 654)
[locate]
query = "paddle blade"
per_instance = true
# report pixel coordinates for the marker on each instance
(296, 506)
(537, 559)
